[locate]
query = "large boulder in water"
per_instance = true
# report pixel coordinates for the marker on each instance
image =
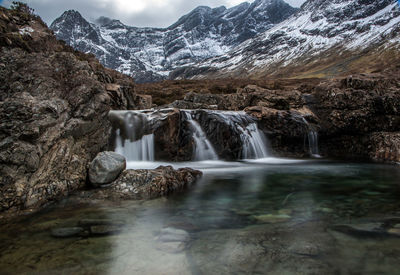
(149, 184)
(106, 167)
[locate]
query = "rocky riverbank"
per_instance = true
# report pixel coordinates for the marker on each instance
(55, 103)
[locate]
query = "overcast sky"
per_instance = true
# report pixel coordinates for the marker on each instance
(140, 13)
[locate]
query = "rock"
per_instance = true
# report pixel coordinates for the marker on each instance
(104, 229)
(304, 248)
(272, 218)
(172, 240)
(149, 184)
(106, 167)
(53, 115)
(67, 232)
(171, 247)
(394, 232)
(91, 222)
(362, 229)
(170, 234)
(112, 87)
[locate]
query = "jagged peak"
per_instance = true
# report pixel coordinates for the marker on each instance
(71, 14)
(107, 21)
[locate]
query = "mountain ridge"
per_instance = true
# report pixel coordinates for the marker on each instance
(150, 54)
(338, 33)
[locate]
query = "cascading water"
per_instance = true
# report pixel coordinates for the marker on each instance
(312, 136)
(253, 140)
(204, 149)
(134, 134)
(313, 143)
(133, 144)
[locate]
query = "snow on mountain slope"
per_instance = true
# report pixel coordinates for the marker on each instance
(150, 54)
(320, 26)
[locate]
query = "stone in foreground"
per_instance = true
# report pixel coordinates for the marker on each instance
(149, 184)
(106, 167)
(66, 232)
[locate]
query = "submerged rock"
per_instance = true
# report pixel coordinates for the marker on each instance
(304, 248)
(172, 240)
(272, 218)
(104, 229)
(106, 167)
(170, 234)
(362, 229)
(149, 184)
(66, 232)
(92, 222)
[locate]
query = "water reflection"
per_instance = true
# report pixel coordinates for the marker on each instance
(241, 217)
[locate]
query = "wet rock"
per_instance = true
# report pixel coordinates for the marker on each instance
(149, 184)
(106, 167)
(91, 222)
(172, 240)
(53, 115)
(104, 229)
(170, 234)
(171, 247)
(304, 248)
(394, 231)
(362, 229)
(67, 232)
(272, 218)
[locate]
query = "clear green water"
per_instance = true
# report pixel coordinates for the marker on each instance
(244, 219)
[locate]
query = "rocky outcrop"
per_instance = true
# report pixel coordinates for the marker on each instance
(355, 117)
(149, 184)
(105, 168)
(53, 112)
(359, 117)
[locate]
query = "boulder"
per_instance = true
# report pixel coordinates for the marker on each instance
(106, 167)
(149, 184)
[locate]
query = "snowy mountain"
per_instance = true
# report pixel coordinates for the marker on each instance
(323, 38)
(150, 54)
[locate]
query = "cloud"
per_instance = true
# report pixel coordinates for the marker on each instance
(141, 13)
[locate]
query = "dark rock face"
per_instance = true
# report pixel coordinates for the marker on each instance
(106, 167)
(355, 117)
(359, 117)
(53, 112)
(203, 33)
(149, 184)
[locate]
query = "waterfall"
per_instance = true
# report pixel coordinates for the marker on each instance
(312, 136)
(136, 131)
(313, 143)
(254, 144)
(204, 149)
(133, 143)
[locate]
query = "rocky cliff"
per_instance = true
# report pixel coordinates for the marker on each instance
(53, 107)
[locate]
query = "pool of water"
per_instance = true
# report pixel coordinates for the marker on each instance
(271, 216)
